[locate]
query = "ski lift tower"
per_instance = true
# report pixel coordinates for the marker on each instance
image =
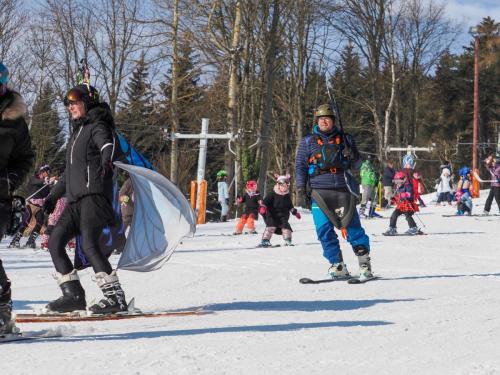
(199, 187)
(410, 150)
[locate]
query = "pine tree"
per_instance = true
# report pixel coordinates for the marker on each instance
(136, 118)
(47, 135)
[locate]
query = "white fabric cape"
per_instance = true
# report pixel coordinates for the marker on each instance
(162, 216)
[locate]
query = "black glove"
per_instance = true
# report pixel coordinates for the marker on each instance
(107, 169)
(49, 205)
(303, 200)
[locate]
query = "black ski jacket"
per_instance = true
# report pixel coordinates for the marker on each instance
(90, 147)
(278, 210)
(16, 155)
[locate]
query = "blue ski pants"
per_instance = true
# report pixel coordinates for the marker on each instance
(356, 235)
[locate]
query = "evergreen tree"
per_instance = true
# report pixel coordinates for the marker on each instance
(47, 134)
(136, 117)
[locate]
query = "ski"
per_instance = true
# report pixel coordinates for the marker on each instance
(79, 317)
(266, 247)
(23, 336)
(474, 215)
(404, 234)
(306, 280)
(356, 280)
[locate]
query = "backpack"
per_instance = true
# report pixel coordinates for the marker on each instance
(329, 158)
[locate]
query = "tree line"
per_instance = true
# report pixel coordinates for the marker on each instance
(257, 69)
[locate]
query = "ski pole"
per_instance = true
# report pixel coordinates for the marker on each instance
(418, 217)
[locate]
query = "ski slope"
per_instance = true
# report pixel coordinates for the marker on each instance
(436, 310)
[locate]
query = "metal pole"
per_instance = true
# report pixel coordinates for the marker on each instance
(476, 103)
(202, 157)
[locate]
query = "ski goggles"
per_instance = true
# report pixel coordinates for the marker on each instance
(73, 96)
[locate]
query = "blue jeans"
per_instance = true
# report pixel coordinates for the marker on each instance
(356, 235)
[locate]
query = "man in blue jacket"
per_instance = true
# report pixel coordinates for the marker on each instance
(323, 161)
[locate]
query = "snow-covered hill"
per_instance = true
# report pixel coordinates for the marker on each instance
(436, 310)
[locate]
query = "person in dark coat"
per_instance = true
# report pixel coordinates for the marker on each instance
(387, 177)
(324, 159)
(16, 159)
(88, 184)
(276, 208)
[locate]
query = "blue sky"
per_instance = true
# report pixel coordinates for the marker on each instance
(469, 13)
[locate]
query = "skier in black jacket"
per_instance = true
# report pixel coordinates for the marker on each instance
(88, 184)
(16, 159)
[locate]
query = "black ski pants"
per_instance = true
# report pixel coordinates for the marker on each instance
(409, 218)
(5, 217)
(87, 218)
(494, 193)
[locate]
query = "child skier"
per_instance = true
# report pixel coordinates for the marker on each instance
(417, 176)
(444, 187)
(276, 209)
(405, 203)
(252, 200)
(463, 196)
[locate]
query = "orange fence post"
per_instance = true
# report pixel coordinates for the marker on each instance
(202, 202)
(475, 188)
(192, 194)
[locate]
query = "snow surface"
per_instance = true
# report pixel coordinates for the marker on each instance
(436, 310)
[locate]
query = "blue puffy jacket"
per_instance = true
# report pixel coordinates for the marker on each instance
(308, 147)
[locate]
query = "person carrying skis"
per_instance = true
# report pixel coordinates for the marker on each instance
(462, 195)
(323, 162)
(276, 208)
(252, 200)
(88, 184)
(369, 181)
(223, 194)
(405, 203)
(16, 159)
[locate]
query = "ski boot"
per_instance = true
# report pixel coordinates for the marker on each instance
(253, 231)
(31, 243)
(73, 297)
(486, 213)
(237, 233)
(339, 271)
(362, 212)
(288, 242)
(44, 246)
(15, 241)
(413, 231)
(114, 296)
(390, 232)
(265, 243)
(6, 322)
(365, 267)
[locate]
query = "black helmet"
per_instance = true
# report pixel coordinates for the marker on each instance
(82, 93)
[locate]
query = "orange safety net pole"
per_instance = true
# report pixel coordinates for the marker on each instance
(192, 194)
(202, 202)
(475, 188)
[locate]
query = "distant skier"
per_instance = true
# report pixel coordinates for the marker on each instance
(88, 184)
(251, 200)
(276, 208)
(463, 195)
(444, 187)
(387, 177)
(417, 176)
(38, 188)
(323, 161)
(405, 203)
(223, 194)
(493, 166)
(368, 183)
(16, 159)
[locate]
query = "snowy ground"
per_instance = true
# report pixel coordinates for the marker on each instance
(436, 310)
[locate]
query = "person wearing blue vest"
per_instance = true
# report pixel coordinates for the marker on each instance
(323, 162)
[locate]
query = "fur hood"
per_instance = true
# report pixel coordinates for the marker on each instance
(15, 107)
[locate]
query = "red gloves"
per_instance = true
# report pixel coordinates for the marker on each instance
(262, 210)
(295, 213)
(239, 200)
